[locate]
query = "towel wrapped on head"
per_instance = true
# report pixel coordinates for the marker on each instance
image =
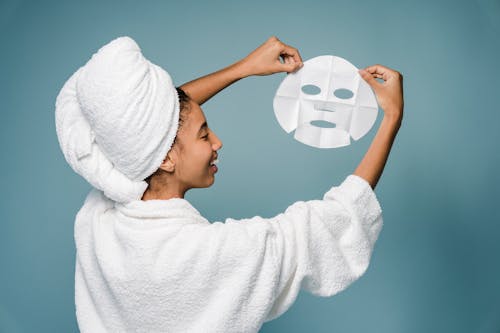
(116, 118)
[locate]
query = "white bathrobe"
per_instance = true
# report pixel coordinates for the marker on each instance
(159, 266)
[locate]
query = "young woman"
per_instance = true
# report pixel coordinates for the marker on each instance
(153, 263)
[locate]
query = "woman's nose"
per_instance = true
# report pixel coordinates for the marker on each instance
(217, 143)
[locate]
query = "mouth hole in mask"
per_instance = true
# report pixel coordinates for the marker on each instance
(311, 89)
(323, 124)
(343, 93)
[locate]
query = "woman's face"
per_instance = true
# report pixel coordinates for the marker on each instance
(195, 149)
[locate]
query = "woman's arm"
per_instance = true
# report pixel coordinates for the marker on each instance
(390, 98)
(202, 89)
(264, 60)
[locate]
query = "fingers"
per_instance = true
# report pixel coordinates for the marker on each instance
(289, 65)
(382, 72)
(286, 51)
(369, 78)
(291, 57)
(390, 92)
(292, 52)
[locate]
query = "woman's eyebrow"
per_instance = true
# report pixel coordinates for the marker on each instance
(202, 126)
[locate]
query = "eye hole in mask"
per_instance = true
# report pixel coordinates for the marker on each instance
(343, 93)
(311, 89)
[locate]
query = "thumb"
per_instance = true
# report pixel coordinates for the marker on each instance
(369, 79)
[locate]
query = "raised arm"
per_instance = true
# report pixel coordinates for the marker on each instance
(390, 98)
(264, 60)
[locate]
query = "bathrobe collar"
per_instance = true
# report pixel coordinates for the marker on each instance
(176, 208)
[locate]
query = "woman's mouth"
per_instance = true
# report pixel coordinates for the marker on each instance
(213, 166)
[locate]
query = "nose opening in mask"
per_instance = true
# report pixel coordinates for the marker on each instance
(328, 106)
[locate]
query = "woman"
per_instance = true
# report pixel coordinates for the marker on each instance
(147, 261)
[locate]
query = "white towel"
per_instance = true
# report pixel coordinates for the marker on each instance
(116, 119)
(160, 266)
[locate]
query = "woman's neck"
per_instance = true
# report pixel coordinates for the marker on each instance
(163, 191)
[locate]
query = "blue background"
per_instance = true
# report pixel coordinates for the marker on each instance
(436, 265)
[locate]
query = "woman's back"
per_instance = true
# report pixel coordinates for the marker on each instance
(158, 265)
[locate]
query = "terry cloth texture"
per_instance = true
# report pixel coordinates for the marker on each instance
(116, 119)
(160, 266)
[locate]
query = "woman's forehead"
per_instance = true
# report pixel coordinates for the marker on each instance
(196, 119)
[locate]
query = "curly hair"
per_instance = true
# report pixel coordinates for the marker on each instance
(184, 108)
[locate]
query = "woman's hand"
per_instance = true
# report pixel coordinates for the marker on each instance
(265, 59)
(390, 92)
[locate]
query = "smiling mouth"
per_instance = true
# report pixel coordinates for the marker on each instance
(213, 165)
(214, 162)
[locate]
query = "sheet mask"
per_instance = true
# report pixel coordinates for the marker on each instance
(340, 99)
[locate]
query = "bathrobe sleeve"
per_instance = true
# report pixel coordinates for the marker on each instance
(320, 246)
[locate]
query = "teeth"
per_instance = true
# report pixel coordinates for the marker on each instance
(215, 161)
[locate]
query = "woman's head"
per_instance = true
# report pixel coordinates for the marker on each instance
(187, 164)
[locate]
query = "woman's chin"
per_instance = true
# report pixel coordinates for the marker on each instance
(210, 181)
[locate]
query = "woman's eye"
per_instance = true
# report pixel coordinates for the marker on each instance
(204, 137)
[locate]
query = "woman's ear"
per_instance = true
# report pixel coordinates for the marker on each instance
(168, 164)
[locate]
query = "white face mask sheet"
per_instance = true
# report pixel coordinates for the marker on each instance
(341, 97)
